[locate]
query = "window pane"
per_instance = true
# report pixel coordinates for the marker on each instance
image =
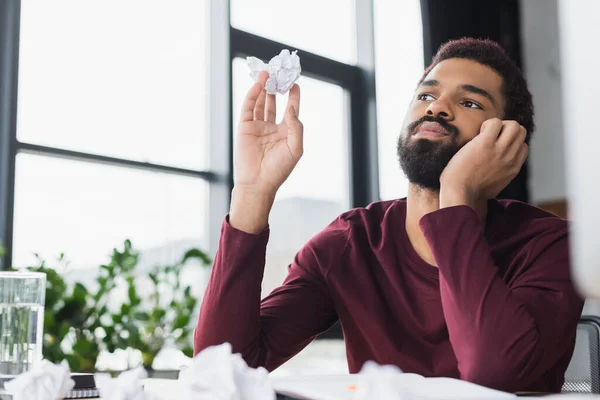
(399, 66)
(119, 78)
(327, 27)
(85, 210)
(317, 191)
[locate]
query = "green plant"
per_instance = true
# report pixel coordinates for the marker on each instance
(84, 323)
(164, 316)
(2, 254)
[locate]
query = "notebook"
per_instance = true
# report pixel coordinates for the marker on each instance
(329, 387)
(85, 387)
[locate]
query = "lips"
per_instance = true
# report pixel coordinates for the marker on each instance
(430, 130)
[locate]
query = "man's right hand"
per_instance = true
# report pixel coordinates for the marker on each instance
(264, 156)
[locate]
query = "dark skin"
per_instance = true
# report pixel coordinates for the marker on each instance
(467, 95)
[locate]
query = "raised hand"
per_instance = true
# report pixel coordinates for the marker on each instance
(264, 156)
(266, 152)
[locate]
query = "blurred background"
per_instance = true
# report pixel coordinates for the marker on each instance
(117, 123)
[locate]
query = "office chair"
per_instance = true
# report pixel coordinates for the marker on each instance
(583, 373)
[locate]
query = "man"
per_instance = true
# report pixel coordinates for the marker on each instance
(448, 282)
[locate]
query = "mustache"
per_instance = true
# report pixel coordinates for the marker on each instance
(451, 129)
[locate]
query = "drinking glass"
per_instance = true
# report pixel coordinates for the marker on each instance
(22, 298)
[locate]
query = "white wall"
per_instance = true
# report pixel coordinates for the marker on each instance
(541, 56)
(579, 33)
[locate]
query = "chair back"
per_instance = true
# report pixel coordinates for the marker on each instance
(583, 373)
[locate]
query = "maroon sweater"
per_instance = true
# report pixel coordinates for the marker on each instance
(500, 310)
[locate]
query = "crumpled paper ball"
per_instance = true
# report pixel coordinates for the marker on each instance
(127, 386)
(46, 381)
(284, 70)
(380, 382)
(216, 374)
(388, 382)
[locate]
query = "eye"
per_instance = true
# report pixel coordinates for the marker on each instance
(425, 97)
(471, 104)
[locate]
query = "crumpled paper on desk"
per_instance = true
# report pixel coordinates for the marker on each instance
(216, 374)
(388, 382)
(382, 382)
(46, 381)
(127, 386)
(283, 69)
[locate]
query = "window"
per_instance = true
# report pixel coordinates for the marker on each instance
(332, 31)
(124, 80)
(399, 61)
(85, 209)
(110, 89)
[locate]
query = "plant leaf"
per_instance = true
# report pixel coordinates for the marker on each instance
(198, 254)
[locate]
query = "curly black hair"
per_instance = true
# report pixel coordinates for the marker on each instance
(518, 101)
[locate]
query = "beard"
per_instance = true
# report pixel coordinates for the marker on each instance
(422, 160)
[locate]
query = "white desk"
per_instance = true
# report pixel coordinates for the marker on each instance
(164, 389)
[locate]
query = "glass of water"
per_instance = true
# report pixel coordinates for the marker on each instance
(22, 299)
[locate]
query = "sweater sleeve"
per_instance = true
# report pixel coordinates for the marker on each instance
(504, 335)
(269, 332)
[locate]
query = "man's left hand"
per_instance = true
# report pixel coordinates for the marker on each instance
(485, 165)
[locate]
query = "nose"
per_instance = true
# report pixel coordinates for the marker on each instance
(440, 108)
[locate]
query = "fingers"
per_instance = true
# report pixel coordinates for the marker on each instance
(522, 154)
(252, 97)
(296, 129)
(512, 134)
(293, 104)
(504, 132)
(490, 129)
(271, 108)
(250, 102)
(295, 137)
(519, 158)
(512, 146)
(508, 137)
(259, 107)
(262, 78)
